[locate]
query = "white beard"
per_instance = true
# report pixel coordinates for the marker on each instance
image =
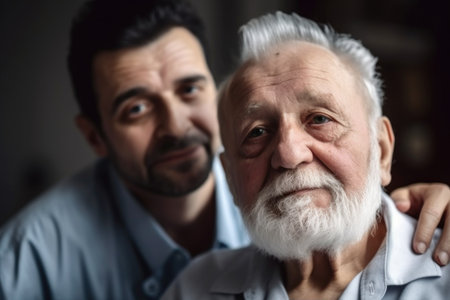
(294, 227)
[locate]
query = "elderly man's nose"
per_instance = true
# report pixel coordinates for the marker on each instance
(292, 149)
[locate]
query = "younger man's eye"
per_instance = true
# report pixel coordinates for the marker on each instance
(138, 108)
(189, 89)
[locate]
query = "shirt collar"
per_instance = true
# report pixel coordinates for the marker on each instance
(154, 244)
(402, 264)
(252, 273)
(230, 229)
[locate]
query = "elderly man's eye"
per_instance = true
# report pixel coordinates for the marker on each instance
(320, 119)
(255, 141)
(256, 132)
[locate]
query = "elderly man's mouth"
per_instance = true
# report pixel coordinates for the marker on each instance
(320, 196)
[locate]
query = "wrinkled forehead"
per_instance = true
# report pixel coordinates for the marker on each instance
(301, 65)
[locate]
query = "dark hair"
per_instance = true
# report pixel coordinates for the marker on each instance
(106, 25)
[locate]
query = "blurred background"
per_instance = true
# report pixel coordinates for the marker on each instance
(40, 145)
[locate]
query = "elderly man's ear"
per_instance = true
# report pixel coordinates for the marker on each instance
(386, 143)
(92, 135)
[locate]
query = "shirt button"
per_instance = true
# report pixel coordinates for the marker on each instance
(179, 257)
(151, 287)
(250, 294)
(371, 288)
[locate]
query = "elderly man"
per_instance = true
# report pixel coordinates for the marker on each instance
(307, 152)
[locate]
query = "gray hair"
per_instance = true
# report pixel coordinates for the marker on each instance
(262, 34)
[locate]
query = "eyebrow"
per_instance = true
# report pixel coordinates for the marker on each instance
(317, 99)
(191, 79)
(321, 99)
(136, 91)
(252, 107)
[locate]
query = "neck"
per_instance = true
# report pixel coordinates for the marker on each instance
(189, 220)
(325, 276)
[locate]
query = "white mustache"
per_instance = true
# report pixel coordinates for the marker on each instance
(292, 181)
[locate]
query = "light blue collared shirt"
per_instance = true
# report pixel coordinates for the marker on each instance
(394, 273)
(88, 238)
(164, 257)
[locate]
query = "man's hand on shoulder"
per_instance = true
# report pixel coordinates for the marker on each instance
(430, 204)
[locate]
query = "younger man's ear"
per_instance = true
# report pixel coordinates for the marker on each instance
(92, 135)
(386, 142)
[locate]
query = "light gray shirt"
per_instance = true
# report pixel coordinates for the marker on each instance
(394, 273)
(89, 238)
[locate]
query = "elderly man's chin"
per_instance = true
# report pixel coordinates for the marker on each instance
(301, 223)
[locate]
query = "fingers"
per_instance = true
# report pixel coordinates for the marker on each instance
(442, 252)
(401, 197)
(429, 219)
(436, 199)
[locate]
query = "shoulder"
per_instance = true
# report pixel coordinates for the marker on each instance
(51, 209)
(208, 274)
(404, 269)
(57, 230)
